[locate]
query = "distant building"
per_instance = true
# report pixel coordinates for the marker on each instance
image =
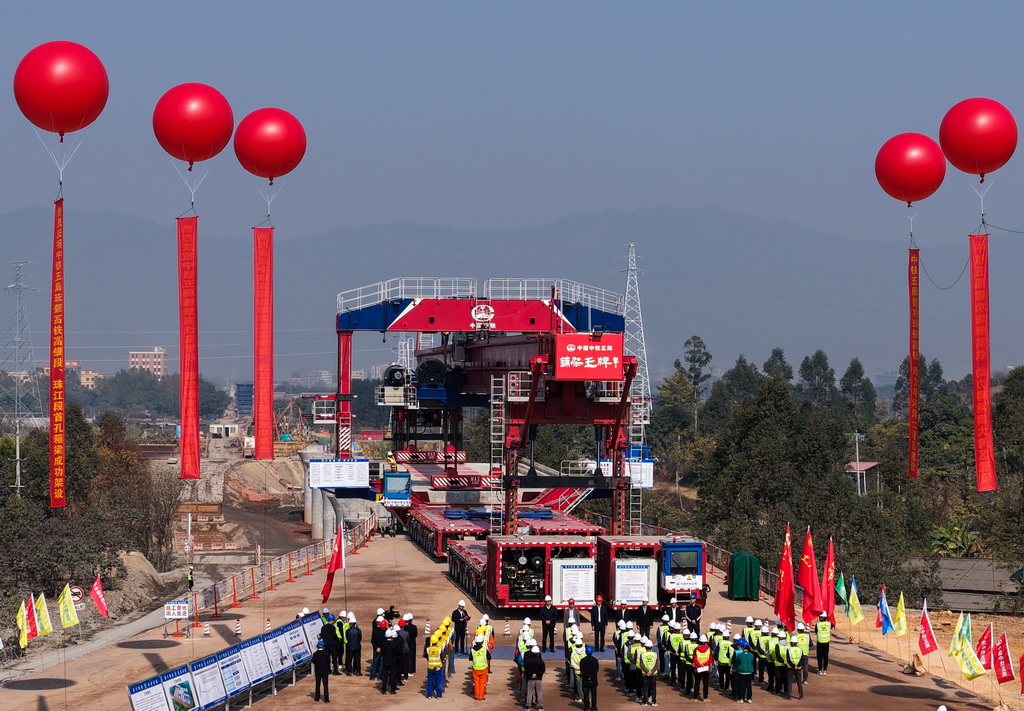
(90, 378)
(885, 379)
(70, 366)
(155, 361)
(377, 371)
(864, 475)
(359, 374)
(311, 379)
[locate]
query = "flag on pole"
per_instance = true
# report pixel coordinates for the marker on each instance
(96, 593)
(885, 614)
(828, 584)
(22, 626)
(899, 622)
(42, 616)
(954, 643)
(30, 618)
(926, 639)
(969, 663)
(785, 593)
(853, 610)
(337, 563)
(68, 616)
(965, 632)
(841, 593)
(807, 578)
(878, 609)
(1002, 661)
(984, 648)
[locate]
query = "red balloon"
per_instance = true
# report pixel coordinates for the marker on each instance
(978, 136)
(61, 87)
(270, 143)
(193, 122)
(910, 167)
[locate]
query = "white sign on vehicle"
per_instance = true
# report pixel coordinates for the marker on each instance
(573, 579)
(635, 581)
(339, 473)
(639, 471)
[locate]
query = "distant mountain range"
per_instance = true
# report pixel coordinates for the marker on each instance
(742, 283)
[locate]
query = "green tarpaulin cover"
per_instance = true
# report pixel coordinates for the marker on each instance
(744, 576)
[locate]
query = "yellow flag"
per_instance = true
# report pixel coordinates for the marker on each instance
(955, 643)
(856, 614)
(43, 624)
(68, 616)
(899, 622)
(969, 663)
(22, 626)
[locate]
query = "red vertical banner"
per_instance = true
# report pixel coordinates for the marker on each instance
(914, 371)
(263, 341)
(188, 341)
(58, 450)
(984, 451)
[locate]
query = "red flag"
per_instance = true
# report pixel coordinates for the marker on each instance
(828, 584)
(188, 338)
(926, 640)
(914, 377)
(984, 452)
(263, 341)
(31, 629)
(58, 442)
(1020, 662)
(984, 648)
(807, 578)
(878, 609)
(96, 593)
(336, 563)
(1002, 661)
(785, 593)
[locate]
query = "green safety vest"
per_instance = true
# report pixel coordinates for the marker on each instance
(434, 656)
(627, 653)
(675, 641)
(748, 634)
(773, 643)
(574, 658)
(648, 661)
(824, 630)
(755, 639)
(794, 655)
(762, 646)
(724, 651)
(687, 651)
(803, 641)
(480, 658)
(780, 651)
(522, 646)
(663, 633)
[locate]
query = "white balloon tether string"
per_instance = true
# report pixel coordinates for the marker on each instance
(981, 197)
(913, 244)
(61, 162)
(192, 187)
(268, 197)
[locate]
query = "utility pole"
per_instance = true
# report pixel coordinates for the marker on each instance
(856, 451)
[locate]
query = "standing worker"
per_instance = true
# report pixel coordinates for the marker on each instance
(701, 668)
(410, 627)
(353, 647)
(389, 663)
(823, 634)
(644, 618)
(648, 664)
(376, 642)
(577, 656)
(589, 668)
(795, 659)
(533, 669)
(693, 614)
(598, 622)
(460, 618)
(724, 660)
(743, 672)
(803, 640)
(549, 615)
(435, 667)
(481, 658)
(190, 576)
(329, 635)
(322, 670)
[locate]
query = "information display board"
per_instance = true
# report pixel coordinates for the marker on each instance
(339, 473)
(254, 658)
(179, 689)
(232, 671)
(176, 610)
(573, 578)
(639, 471)
(208, 682)
(278, 654)
(295, 637)
(312, 626)
(636, 581)
(148, 695)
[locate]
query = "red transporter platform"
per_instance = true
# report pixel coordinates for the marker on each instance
(631, 569)
(432, 530)
(519, 571)
(560, 524)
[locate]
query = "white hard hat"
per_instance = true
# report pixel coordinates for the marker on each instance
(735, 637)
(781, 634)
(674, 625)
(535, 650)
(629, 625)
(527, 621)
(343, 613)
(799, 625)
(764, 629)
(407, 616)
(750, 619)
(648, 643)
(793, 639)
(305, 611)
(351, 617)
(674, 600)
(622, 624)
(703, 638)
(462, 603)
(391, 633)
(824, 615)
(646, 599)
(380, 610)
(485, 618)
(758, 623)
(665, 618)
(693, 635)
(575, 628)
(547, 598)
(645, 639)
(326, 610)
(390, 452)
(396, 627)
(478, 639)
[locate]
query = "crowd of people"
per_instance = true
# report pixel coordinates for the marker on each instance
(650, 645)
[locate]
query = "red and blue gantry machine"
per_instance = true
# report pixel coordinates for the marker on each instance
(533, 352)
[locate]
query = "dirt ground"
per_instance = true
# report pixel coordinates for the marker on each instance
(391, 571)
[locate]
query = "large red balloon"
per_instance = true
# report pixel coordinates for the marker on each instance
(910, 167)
(61, 87)
(270, 143)
(978, 136)
(193, 122)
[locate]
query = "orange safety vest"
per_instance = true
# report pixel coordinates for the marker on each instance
(702, 658)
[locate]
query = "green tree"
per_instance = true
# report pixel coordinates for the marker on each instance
(858, 393)
(739, 382)
(776, 365)
(697, 359)
(818, 380)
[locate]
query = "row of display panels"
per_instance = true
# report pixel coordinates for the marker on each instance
(211, 681)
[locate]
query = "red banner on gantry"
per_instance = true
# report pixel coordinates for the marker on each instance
(58, 449)
(263, 341)
(984, 451)
(914, 371)
(188, 340)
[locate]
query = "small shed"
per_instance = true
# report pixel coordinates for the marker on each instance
(744, 576)
(864, 476)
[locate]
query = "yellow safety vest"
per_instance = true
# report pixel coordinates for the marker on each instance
(675, 642)
(574, 658)
(479, 658)
(663, 633)
(824, 630)
(701, 659)
(748, 634)
(803, 641)
(763, 645)
(794, 659)
(434, 656)
(773, 643)
(724, 648)
(755, 639)
(648, 661)
(687, 654)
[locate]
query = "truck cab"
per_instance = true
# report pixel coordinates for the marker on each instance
(682, 566)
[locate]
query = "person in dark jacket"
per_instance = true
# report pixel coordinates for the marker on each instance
(376, 640)
(460, 618)
(644, 618)
(389, 662)
(675, 612)
(549, 616)
(533, 670)
(598, 622)
(329, 635)
(693, 614)
(404, 650)
(353, 647)
(410, 659)
(589, 668)
(322, 670)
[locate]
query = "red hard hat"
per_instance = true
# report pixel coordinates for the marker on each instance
(382, 624)
(572, 601)
(600, 599)
(401, 623)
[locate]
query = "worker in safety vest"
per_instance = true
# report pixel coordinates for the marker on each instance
(618, 639)
(522, 644)
(647, 662)
(481, 658)
(661, 640)
(803, 640)
(795, 658)
(629, 678)
(823, 636)
(575, 657)
(723, 656)
(571, 632)
(748, 629)
(637, 650)
(779, 659)
(763, 655)
(435, 667)
(675, 647)
(392, 462)
(686, 659)
(702, 658)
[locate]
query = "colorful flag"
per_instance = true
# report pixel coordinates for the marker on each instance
(96, 593)
(954, 643)
(984, 648)
(828, 584)
(853, 610)
(68, 616)
(1002, 662)
(42, 616)
(899, 622)
(807, 578)
(841, 593)
(965, 632)
(969, 663)
(32, 630)
(785, 593)
(884, 614)
(878, 609)
(337, 563)
(22, 626)
(926, 640)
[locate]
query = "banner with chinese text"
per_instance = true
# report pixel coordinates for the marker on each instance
(984, 451)
(188, 339)
(914, 374)
(263, 341)
(58, 450)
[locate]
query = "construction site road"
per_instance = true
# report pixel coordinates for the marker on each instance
(392, 571)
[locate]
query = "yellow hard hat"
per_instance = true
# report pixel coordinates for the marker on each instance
(434, 638)
(446, 621)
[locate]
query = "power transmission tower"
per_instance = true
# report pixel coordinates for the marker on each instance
(19, 388)
(640, 391)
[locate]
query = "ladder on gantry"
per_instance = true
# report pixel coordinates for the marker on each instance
(496, 480)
